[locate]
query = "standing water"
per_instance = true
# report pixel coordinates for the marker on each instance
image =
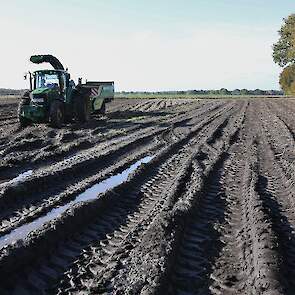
(22, 177)
(90, 194)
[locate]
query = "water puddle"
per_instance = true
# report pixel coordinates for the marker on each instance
(20, 178)
(90, 194)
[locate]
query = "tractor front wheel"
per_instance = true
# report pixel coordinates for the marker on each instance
(56, 114)
(23, 121)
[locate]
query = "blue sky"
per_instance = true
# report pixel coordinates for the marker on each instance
(147, 45)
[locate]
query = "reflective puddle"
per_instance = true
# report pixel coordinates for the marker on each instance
(18, 179)
(90, 194)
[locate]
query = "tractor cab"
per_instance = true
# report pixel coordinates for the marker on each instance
(50, 90)
(52, 83)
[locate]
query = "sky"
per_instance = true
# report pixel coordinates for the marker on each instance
(146, 45)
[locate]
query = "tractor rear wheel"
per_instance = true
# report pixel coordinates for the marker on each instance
(56, 114)
(24, 122)
(83, 109)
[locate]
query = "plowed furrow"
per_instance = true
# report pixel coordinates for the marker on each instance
(210, 212)
(276, 185)
(114, 218)
(94, 261)
(280, 135)
(225, 271)
(7, 120)
(220, 251)
(192, 263)
(93, 272)
(12, 199)
(51, 151)
(257, 269)
(280, 208)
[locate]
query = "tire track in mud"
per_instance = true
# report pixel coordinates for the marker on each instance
(32, 209)
(93, 273)
(198, 242)
(212, 213)
(7, 118)
(173, 217)
(52, 152)
(228, 244)
(192, 261)
(274, 191)
(249, 262)
(189, 142)
(276, 185)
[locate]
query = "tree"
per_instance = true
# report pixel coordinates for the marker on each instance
(284, 49)
(223, 91)
(258, 92)
(236, 92)
(287, 79)
(284, 54)
(244, 92)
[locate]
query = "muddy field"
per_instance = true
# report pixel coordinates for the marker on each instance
(157, 197)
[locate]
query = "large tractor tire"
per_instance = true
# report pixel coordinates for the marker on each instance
(56, 114)
(83, 109)
(25, 100)
(103, 108)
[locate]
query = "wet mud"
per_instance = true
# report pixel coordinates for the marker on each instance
(155, 197)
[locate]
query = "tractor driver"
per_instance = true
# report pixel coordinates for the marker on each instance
(42, 82)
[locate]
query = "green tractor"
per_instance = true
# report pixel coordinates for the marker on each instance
(55, 99)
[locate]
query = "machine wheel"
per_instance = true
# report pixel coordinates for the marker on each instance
(83, 109)
(103, 108)
(56, 114)
(24, 122)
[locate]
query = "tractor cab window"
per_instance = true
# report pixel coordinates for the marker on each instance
(46, 80)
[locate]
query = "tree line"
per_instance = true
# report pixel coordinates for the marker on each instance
(222, 91)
